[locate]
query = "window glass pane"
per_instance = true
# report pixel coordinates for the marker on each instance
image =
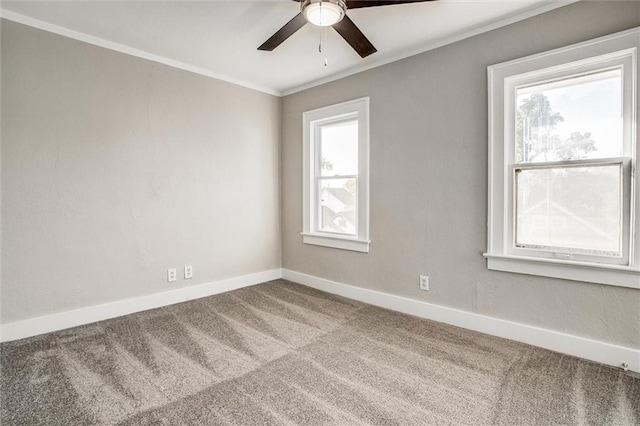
(338, 205)
(570, 119)
(571, 209)
(339, 149)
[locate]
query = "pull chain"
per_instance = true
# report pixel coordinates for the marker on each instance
(323, 37)
(323, 42)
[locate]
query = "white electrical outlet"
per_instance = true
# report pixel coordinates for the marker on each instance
(172, 275)
(188, 272)
(424, 282)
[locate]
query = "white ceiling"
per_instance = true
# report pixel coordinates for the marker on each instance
(220, 38)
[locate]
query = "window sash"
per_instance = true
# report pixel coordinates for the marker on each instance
(317, 127)
(318, 205)
(623, 59)
(566, 253)
(558, 79)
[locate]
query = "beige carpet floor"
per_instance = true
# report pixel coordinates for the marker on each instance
(281, 353)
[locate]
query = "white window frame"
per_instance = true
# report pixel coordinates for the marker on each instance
(618, 50)
(312, 121)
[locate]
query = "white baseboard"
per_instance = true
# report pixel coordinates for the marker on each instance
(593, 350)
(60, 321)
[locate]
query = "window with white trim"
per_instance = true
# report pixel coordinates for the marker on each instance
(336, 176)
(563, 138)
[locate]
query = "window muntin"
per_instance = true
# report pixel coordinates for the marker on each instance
(336, 190)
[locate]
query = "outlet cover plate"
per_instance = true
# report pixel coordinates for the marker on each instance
(424, 282)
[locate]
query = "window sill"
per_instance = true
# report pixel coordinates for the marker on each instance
(621, 276)
(343, 243)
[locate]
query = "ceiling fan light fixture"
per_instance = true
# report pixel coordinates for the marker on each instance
(324, 13)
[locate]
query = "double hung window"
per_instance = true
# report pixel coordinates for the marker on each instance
(563, 137)
(336, 189)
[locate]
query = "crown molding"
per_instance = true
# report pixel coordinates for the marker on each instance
(97, 41)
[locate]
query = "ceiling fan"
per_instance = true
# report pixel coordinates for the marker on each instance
(326, 13)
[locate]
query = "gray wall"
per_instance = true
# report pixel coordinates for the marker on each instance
(115, 168)
(429, 183)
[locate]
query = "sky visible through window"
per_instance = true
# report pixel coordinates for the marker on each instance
(575, 110)
(340, 149)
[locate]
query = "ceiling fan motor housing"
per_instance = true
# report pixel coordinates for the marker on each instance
(324, 13)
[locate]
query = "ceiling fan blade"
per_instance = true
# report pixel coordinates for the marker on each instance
(284, 33)
(352, 35)
(357, 4)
